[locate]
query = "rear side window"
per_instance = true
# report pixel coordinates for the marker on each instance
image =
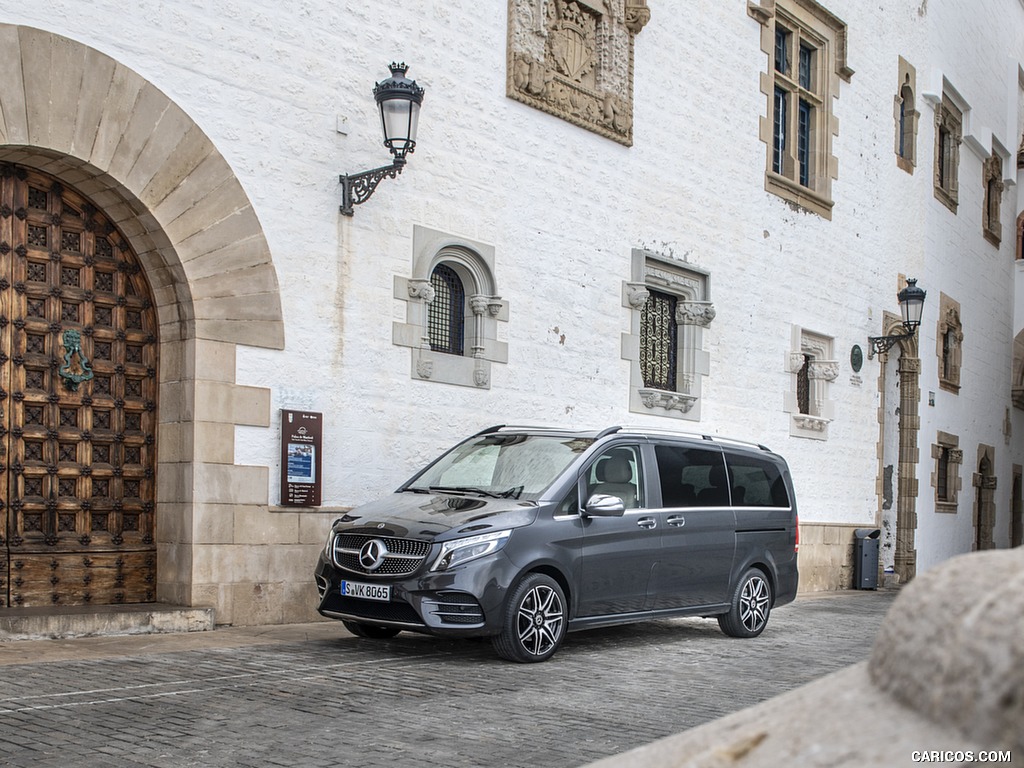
(757, 482)
(692, 477)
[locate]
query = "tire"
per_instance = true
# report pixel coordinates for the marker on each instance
(751, 605)
(372, 631)
(534, 621)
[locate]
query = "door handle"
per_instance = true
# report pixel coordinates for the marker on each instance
(677, 520)
(647, 522)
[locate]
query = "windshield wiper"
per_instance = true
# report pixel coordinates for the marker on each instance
(512, 493)
(416, 490)
(466, 489)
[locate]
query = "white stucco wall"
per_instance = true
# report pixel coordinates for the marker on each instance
(270, 83)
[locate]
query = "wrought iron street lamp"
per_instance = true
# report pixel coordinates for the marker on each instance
(911, 301)
(399, 100)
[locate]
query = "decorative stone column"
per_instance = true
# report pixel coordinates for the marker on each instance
(907, 485)
(691, 318)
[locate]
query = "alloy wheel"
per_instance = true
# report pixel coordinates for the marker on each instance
(755, 602)
(539, 620)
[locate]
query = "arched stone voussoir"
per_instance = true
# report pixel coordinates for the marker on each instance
(107, 125)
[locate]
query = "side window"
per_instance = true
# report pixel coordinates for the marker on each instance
(618, 473)
(692, 477)
(756, 483)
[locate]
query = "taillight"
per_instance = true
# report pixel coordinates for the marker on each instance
(796, 546)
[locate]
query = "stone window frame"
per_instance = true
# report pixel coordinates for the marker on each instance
(812, 25)
(691, 286)
(811, 358)
(949, 337)
(992, 184)
(485, 314)
(1020, 237)
(906, 117)
(949, 134)
(946, 448)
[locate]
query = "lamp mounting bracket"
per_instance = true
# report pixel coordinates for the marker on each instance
(882, 344)
(356, 188)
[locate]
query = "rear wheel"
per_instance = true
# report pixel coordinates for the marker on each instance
(751, 604)
(534, 621)
(372, 631)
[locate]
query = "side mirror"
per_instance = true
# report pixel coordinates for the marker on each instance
(603, 505)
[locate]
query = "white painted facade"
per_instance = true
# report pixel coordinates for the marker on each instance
(283, 90)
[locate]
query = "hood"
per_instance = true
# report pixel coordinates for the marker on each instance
(428, 516)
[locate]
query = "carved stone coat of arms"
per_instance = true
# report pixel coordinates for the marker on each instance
(574, 59)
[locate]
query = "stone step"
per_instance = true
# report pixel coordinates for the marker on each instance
(102, 620)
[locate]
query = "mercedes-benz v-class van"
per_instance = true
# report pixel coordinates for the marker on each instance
(522, 534)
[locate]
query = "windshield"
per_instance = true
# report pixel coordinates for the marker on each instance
(502, 465)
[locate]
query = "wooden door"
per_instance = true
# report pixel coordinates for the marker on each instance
(78, 398)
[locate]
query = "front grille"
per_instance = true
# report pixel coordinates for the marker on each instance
(403, 558)
(455, 608)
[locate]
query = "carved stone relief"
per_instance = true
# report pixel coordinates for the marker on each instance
(574, 59)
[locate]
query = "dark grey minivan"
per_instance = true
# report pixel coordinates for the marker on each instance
(522, 534)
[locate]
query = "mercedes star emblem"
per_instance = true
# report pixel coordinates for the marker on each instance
(372, 554)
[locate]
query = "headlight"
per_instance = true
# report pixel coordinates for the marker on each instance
(329, 548)
(461, 551)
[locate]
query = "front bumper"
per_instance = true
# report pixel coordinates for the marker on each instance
(466, 601)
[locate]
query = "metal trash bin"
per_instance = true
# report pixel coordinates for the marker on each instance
(865, 558)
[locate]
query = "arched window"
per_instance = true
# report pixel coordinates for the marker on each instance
(949, 344)
(1020, 236)
(453, 310)
(906, 122)
(906, 117)
(991, 222)
(446, 315)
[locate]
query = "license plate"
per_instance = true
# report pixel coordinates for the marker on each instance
(380, 592)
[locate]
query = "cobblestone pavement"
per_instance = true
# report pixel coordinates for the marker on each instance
(313, 695)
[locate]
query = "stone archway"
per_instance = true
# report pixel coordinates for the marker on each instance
(901, 495)
(80, 116)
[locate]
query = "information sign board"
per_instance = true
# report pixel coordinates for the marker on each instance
(301, 462)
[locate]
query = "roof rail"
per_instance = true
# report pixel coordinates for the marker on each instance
(533, 428)
(694, 435)
(488, 430)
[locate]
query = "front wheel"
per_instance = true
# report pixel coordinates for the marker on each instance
(534, 621)
(372, 631)
(751, 604)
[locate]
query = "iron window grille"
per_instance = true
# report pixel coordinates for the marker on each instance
(803, 386)
(942, 476)
(447, 312)
(659, 347)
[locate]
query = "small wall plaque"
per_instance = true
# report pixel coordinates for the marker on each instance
(856, 358)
